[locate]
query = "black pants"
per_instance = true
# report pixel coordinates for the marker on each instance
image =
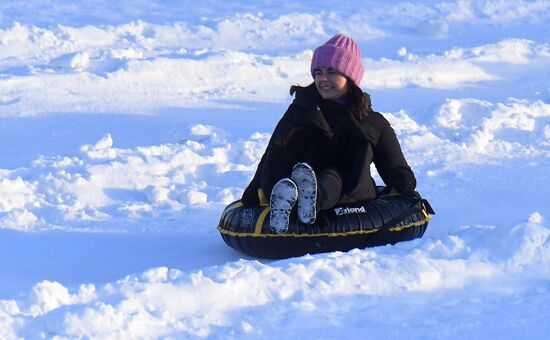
(329, 188)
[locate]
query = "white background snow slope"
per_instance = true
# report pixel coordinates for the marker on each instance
(127, 126)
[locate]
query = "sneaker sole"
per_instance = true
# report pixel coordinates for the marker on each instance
(282, 200)
(306, 181)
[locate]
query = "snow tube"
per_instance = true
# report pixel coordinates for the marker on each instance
(388, 219)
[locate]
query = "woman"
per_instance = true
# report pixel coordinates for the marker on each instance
(320, 152)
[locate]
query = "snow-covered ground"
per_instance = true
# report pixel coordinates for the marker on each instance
(126, 127)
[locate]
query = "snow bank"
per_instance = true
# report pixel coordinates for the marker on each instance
(263, 12)
(151, 67)
(467, 93)
(71, 61)
(484, 261)
(106, 184)
(456, 67)
(441, 14)
(144, 185)
(476, 131)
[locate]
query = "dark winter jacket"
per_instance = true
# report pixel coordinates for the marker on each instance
(326, 134)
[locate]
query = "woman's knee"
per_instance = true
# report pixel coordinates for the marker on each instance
(330, 188)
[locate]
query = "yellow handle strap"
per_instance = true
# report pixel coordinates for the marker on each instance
(264, 202)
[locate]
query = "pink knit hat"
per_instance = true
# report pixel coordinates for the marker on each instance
(342, 54)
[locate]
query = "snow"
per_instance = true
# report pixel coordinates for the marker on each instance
(126, 128)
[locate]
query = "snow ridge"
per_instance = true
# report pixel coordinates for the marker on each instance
(126, 129)
(164, 301)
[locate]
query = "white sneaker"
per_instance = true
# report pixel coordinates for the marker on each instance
(306, 181)
(282, 200)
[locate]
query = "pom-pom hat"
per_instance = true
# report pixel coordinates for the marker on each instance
(342, 54)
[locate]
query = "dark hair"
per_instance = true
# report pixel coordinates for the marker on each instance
(359, 101)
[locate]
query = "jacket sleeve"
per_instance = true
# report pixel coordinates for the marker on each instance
(273, 164)
(390, 162)
(250, 194)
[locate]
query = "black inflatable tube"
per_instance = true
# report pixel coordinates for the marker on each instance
(386, 220)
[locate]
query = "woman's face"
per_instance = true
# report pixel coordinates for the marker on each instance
(330, 83)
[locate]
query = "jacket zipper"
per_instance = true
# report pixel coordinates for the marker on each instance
(329, 130)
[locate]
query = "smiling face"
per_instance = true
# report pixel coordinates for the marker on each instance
(330, 83)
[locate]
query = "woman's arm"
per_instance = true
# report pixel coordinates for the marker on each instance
(276, 162)
(390, 162)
